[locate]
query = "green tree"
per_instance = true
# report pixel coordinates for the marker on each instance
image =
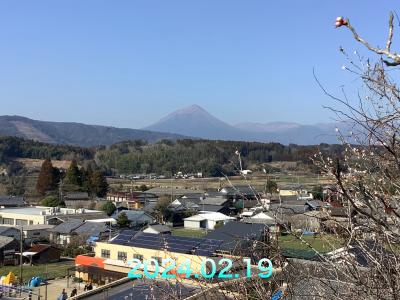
(86, 177)
(98, 184)
(73, 175)
(16, 185)
(317, 192)
(109, 208)
(52, 201)
(271, 187)
(123, 220)
(48, 177)
(143, 188)
(161, 211)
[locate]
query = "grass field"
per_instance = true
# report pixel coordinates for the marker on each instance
(322, 243)
(188, 232)
(54, 270)
(308, 180)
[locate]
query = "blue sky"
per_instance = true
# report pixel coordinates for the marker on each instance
(128, 63)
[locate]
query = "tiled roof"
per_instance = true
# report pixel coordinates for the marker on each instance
(232, 233)
(91, 229)
(5, 240)
(6, 228)
(67, 227)
(214, 201)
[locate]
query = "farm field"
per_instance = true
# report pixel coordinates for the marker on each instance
(54, 270)
(188, 232)
(307, 180)
(321, 243)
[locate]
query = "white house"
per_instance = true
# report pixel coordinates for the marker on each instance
(263, 216)
(206, 220)
(246, 172)
(157, 229)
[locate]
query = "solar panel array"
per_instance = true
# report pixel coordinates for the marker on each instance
(197, 246)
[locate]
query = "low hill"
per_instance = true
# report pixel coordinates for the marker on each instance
(67, 133)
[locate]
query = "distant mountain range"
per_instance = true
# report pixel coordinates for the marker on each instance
(75, 133)
(193, 121)
(197, 122)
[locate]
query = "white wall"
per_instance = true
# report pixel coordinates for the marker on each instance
(192, 224)
(151, 230)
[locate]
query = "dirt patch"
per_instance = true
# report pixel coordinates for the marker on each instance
(31, 163)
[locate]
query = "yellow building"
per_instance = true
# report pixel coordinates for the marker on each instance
(116, 255)
(285, 193)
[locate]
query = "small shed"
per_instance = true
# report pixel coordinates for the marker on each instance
(8, 247)
(42, 253)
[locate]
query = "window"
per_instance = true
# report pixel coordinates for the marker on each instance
(105, 253)
(138, 256)
(8, 221)
(30, 222)
(122, 256)
(21, 222)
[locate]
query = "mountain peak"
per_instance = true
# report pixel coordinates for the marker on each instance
(196, 120)
(192, 109)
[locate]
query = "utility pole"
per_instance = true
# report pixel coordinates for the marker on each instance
(45, 287)
(172, 191)
(21, 241)
(60, 191)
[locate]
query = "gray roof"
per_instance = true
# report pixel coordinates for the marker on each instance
(91, 229)
(239, 190)
(4, 229)
(207, 207)
(5, 240)
(67, 227)
(36, 227)
(82, 217)
(315, 204)
(11, 201)
(134, 215)
(290, 199)
(233, 233)
(214, 201)
(189, 201)
(150, 206)
(193, 195)
(174, 191)
(80, 227)
(340, 211)
(289, 209)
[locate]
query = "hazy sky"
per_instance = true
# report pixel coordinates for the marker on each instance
(128, 63)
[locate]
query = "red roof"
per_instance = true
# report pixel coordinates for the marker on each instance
(89, 261)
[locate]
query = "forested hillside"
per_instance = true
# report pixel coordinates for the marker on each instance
(210, 157)
(14, 147)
